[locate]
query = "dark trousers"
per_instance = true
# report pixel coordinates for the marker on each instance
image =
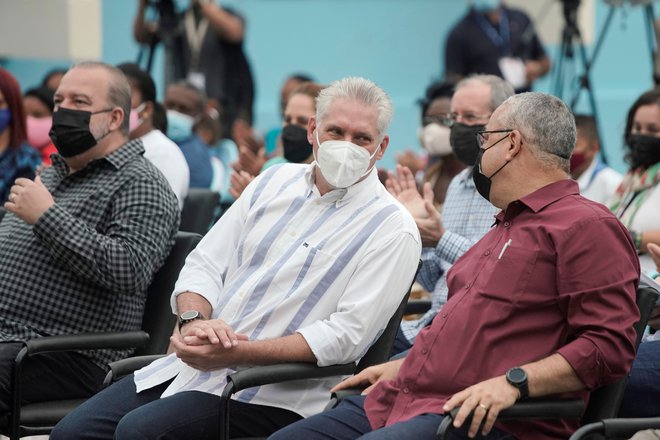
(348, 421)
(48, 376)
(642, 395)
(119, 412)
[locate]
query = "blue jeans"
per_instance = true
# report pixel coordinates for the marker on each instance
(119, 412)
(348, 421)
(642, 395)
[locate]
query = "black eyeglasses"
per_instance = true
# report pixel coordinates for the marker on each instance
(482, 136)
(442, 119)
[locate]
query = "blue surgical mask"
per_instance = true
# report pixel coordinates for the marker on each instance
(485, 5)
(5, 119)
(179, 126)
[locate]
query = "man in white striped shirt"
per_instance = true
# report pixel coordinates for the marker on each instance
(307, 265)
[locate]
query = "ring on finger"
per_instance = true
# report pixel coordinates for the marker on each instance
(484, 407)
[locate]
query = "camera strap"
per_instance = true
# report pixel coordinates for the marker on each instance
(195, 36)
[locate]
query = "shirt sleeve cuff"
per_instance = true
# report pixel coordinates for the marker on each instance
(320, 344)
(586, 360)
(51, 224)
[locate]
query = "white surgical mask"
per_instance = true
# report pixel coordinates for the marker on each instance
(342, 163)
(435, 139)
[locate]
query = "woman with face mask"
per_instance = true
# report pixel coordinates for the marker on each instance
(637, 200)
(17, 158)
(300, 107)
(434, 135)
(38, 105)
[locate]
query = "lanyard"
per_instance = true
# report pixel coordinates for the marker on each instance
(501, 37)
(195, 37)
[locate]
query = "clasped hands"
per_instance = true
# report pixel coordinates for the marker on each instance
(29, 199)
(404, 188)
(208, 345)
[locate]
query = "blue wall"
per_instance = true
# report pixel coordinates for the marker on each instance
(396, 43)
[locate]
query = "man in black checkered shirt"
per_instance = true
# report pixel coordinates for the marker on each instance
(80, 244)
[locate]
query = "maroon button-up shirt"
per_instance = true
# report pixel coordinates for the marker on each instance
(557, 274)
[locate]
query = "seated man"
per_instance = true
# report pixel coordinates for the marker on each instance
(597, 181)
(185, 106)
(466, 216)
(80, 244)
(543, 304)
(158, 148)
(307, 265)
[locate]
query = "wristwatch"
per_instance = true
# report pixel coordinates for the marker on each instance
(189, 316)
(517, 377)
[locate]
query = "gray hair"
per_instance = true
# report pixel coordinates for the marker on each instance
(500, 90)
(119, 90)
(546, 124)
(361, 90)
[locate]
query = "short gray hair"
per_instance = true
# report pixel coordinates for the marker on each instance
(500, 90)
(361, 90)
(119, 90)
(546, 123)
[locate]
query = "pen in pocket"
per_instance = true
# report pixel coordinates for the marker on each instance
(506, 245)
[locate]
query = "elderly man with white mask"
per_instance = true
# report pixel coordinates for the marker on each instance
(307, 265)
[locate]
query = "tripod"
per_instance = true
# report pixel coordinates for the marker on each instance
(572, 37)
(167, 28)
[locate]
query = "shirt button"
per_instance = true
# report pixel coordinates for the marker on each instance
(292, 233)
(424, 350)
(507, 224)
(406, 390)
(487, 253)
(467, 286)
(444, 315)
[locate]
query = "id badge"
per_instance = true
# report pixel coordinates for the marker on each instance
(513, 71)
(197, 79)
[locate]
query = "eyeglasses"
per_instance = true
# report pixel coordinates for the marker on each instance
(467, 118)
(442, 119)
(482, 136)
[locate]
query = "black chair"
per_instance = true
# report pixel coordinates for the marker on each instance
(270, 374)
(199, 210)
(157, 324)
(615, 429)
(604, 402)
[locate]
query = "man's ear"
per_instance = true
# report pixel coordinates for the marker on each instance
(117, 117)
(514, 145)
(311, 126)
(383, 147)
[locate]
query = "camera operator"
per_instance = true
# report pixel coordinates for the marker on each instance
(205, 43)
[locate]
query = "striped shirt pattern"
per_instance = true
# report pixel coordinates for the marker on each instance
(285, 259)
(466, 217)
(86, 264)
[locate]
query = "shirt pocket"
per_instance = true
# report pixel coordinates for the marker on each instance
(509, 275)
(309, 266)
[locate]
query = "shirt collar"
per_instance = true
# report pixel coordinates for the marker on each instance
(340, 196)
(118, 158)
(541, 198)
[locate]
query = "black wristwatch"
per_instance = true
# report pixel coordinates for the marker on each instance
(517, 377)
(189, 316)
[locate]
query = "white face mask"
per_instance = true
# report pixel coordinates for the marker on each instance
(342, 163)
(435, 139)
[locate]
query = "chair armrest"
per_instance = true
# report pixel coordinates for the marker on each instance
(124, 367)
(86, 341)
(417, 306)
(268, 374)
(340, 395)
(616, 428)
(528, 409)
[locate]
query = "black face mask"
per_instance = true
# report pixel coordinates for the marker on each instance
(463, 140)
(644, 150)
(481, 181)
(70, 131)
(296, 146)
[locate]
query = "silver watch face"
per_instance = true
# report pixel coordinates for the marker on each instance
(190, 314)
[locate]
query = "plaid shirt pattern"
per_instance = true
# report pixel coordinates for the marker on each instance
(466, 217)
(86, 264)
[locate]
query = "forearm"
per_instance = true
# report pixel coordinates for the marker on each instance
(225, 24)
(140, 31)
(292, 348)
(551, 375)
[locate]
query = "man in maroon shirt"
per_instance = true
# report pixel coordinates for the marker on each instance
(543, 304)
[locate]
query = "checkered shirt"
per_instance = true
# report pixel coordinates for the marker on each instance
(86, 264)
(466, 217)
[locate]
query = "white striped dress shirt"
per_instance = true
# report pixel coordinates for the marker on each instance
(285, 259)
